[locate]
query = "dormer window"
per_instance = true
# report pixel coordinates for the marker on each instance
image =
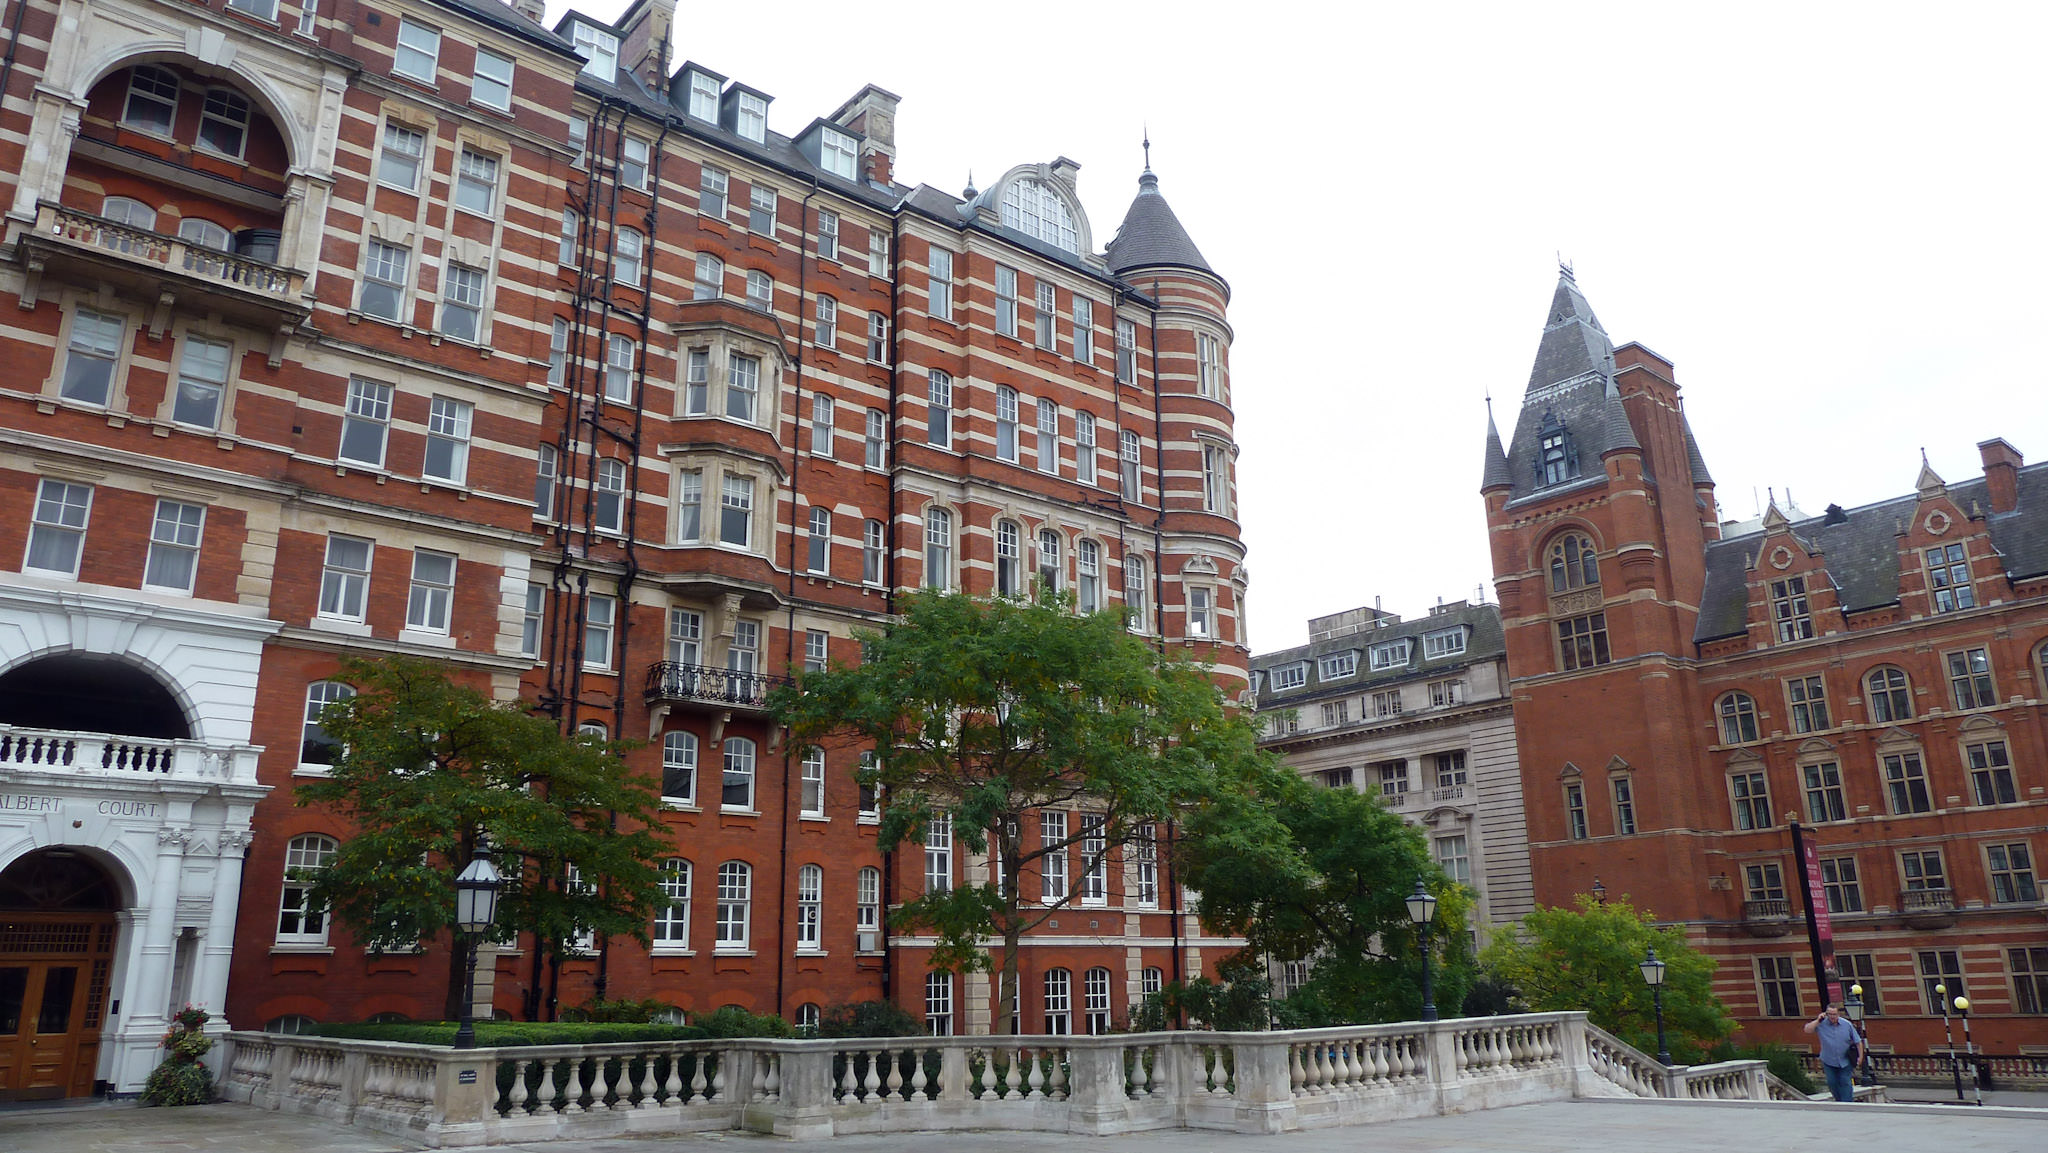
(838, 153)
(1448, 643)
(1035, 210)
(704, 96)
(1290, 677)
(600, 51)
(1392, 655)
(752, 122)
(1339, 665)
(1557, 458)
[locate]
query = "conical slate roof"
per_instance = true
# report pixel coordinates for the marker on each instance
(1573, 341)
(1693, 459)
(1496, 473)
(1152, 235)
(1571, 392)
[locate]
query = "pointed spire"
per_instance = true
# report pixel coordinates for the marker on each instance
(1496, 474)
(1151, 234)
(1930, 482)
(1773, 519)
(1694, 461)
(1573, 342)
(1621, 435)
(1148, 149)
(970, 193)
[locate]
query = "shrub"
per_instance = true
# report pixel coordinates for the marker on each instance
(626, 1012)
(869, 1019)
(182, 1079)
(491, 1034)
(733, 1021)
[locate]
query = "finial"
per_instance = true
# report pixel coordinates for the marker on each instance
(1489, 405)
(1923, 456)
(1564, 269)
(1148, 147)
(970, 192)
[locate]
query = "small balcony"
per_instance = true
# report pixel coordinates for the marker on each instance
(50, 757)
(1928, 908)
(702, 686)
(1447, 794)
(1767, 917)
(167, 269)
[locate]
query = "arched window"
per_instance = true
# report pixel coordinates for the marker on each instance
(1738, 719)
(610, 514)
(299, 920)
(1088, 576)
(1095, 986)
(1891, 695)
(810, 897)
(672, 920)
(1573, 564)
(808, 1015)
(1049, 566)
(206, 234)
(1059, 1002)
(679, 767)
(738, 790)
(291, 1024)
(133, 213)
(1009, 559)
(317, 750)
(735, 904)
(938, 548)
(1034, 209)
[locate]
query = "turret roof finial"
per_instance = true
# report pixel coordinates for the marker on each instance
(1148, 148)
(970, 192)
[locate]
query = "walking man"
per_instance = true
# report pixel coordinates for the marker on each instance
(1841, 1047)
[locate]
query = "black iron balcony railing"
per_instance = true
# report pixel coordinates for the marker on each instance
(675, 681)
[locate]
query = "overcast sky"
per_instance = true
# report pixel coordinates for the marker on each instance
(1829, 216)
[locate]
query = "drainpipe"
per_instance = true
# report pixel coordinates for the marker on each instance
(888, 571)
(1159, 622)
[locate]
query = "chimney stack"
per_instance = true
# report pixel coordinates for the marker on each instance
(2001, 474)
(644, 34)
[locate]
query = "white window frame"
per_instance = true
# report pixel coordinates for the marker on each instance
(1391, 655)
(175, 534)
(533, 620)
(600, 619)
(1059, 1002)
(1084, 446)
(672, 921)
(608, 506)
(1006, 301)
(304, 857)
(91, 346)
(1006, 423)
(205, 367)
(873, 545)
(735, 907)
(1052, 866)
(599, 48)
(810, 909)
(345, 583)
(939, 408)
(737, 771)
(679, 759)
(1443, 643)
(629, 250)
(430, 601)
(319, 695)
(386, 268)
(463, 293)
(491, 83)
(419, 59)
(476, 182)
(1045, 306)
(448, 424)
(838, 154)
(714, 190)
(939, 284)
(938, 853)
(828, 234)
(818, 541)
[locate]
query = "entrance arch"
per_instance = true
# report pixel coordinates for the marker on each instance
(57, 928)
(91, 693)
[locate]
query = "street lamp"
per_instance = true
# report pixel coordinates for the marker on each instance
(1599, 892)
(1855, 1010)
(1948, 1035)
(1976, 1074)
(476, 910)
(1422, 910)
(1653, 975)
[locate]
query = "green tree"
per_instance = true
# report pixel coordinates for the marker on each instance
(427, 766)
(1586, 958)
(984, 714)
(1318, 874)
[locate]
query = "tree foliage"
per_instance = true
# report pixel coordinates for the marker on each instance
(427, 766)
(1587, 958)
(1318, 874)
(986, 713)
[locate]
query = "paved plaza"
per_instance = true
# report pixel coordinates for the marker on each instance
(1558, 1127)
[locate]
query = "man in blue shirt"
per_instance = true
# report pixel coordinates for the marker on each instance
(1840, 1048)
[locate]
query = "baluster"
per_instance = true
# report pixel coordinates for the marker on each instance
(849, 1081)
(649, 1087)
(577, 1084)
(772, 1083)
(672, 1085)
(1013, 1078)
(1219, 1078)
(1295, 1077)
(918, 1082)
(601, 1087)
(892, 1085)
(1036, 1079)
(1326, 1073)
(758, 1070)
(1056, 1076)
(871, 1085)
(1350, 1069)
(719, 1089)
(515, 1097)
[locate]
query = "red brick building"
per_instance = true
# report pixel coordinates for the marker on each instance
(425, 328)
(1684, 689)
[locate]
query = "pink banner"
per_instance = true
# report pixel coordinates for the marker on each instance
(1817, 900)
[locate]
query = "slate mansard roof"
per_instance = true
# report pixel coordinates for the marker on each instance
(1484, 641)
(1861, 552)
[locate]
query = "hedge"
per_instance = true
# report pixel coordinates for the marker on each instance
(491, 1034)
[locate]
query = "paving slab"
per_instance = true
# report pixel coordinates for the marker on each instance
(1557, 1127)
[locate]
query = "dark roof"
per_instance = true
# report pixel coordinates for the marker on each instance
(1861, 552)
(502, 17)
(1484, 641)
(1496, 457)
(1696, 463)
(1152, 236)
(1571, 386)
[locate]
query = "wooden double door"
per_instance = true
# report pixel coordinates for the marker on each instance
(53, 1000)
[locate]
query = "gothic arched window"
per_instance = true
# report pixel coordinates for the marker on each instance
(1573, 564)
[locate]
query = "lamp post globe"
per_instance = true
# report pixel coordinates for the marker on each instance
(1653, 976)
(1422, 911)
(477, 889)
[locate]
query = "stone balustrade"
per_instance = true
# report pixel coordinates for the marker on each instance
(1237, 1082)
(30, 751)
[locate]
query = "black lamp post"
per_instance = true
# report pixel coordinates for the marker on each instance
(1653, 975)
(1853, 1008)
(476, 910)
(1422, 910)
